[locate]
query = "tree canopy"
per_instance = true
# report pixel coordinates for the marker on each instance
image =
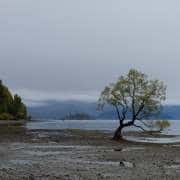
(134, 95)
(11, 107)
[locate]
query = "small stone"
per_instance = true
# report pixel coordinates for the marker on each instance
(118, 149)
(126, 164)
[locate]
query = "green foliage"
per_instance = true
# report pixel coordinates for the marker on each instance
(136, 93)
(6, 116)
(11, 107)
(6, 99)
(19, 109)
(162, 124)
(134, 97)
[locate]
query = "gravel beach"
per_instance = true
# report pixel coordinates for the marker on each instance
(82, 155)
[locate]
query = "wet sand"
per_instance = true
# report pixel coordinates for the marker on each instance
(82, 155)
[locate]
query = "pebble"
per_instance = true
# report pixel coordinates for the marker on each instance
(126, 164)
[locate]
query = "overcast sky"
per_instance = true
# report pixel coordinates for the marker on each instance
(73, 48)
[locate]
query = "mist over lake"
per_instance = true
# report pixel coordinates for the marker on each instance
(59, 109)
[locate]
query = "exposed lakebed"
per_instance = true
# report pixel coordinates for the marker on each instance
(82, 154)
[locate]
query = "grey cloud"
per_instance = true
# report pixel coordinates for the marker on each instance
(80, 46)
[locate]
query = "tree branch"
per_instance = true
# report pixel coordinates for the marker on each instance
(133, 106)
(118, 113)
(139, 110)
(148, 126)
(123, 116)
(139, 127)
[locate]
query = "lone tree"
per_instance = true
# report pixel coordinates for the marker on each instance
(134, 98)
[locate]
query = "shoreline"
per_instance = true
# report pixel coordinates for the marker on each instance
(82, 154)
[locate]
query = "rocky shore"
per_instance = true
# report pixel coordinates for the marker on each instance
(82, 155)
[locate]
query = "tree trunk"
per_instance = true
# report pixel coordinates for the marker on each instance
(118, 134)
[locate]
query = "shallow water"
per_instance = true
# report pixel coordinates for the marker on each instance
(105, 125)
(162, 140)
(109, 125)
(74, 124)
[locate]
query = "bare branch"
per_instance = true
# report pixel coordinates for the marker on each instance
(139, 127)
(148, 126)
(118, 113)
(133, 100)
(124, 112)
(139, 110)
(123, 116)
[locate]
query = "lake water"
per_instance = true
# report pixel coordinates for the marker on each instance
(106, 125)
(74, 124)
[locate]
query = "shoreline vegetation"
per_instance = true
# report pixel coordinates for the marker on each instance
(11, 107)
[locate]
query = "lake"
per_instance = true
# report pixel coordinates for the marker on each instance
(105, 125)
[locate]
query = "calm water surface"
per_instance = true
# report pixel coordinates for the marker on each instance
(105, 125)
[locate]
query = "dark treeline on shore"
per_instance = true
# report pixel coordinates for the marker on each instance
(11, 107)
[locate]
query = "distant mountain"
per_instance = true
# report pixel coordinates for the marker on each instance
(171, 112)
(59, 109)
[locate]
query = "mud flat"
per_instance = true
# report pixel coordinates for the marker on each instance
(82, 155)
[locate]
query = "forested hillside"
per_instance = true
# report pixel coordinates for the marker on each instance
(11, 107)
